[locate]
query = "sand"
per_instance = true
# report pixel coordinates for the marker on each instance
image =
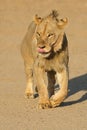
(18, 113)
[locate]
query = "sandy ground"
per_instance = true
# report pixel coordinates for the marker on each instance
(18, 113)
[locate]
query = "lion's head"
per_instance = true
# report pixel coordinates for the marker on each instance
(49, 33)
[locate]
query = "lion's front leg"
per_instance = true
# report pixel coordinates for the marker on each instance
(44, 101)
(58, 98)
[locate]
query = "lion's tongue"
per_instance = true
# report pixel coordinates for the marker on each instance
(41, 50)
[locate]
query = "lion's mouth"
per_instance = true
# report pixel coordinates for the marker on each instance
(42, 51)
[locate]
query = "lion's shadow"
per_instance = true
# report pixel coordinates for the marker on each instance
(75, 85)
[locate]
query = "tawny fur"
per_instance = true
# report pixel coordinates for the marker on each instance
(45, 52)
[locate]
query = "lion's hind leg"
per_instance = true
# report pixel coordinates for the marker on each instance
(29, 75)
(51, 82)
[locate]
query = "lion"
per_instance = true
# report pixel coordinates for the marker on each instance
(45, 52)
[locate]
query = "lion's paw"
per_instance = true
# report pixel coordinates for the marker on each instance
(29, 95)
(44, 104)
(56, 100)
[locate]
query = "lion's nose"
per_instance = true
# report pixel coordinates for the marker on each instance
(41, 46)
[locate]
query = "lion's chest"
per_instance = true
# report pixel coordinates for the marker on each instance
(49, 65)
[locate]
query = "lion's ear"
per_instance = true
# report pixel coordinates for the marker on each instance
(62, 23)
(37, 19)
(58, 44)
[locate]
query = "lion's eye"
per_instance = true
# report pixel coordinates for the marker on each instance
(38, 34)
(50, 35)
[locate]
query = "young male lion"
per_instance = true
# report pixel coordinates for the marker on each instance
(45, 51)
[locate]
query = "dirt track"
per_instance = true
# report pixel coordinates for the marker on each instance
(18, 113)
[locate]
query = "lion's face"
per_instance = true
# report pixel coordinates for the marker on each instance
(47, 35)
